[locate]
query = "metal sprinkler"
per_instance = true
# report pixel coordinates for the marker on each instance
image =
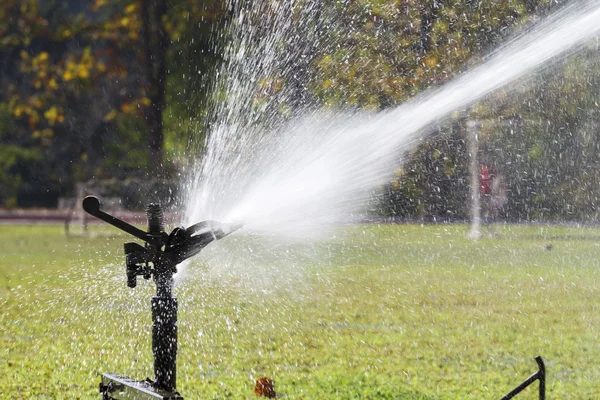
(158, 259)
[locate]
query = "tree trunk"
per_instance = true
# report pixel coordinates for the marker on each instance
(428, 14)
(156, 43)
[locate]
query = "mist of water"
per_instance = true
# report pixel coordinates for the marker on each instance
(317, 169)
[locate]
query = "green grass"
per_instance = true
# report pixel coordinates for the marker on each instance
(391, 311)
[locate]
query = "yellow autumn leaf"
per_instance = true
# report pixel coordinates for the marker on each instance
(33, 119)
(83, 72)
(110, 116)
(18, 111)
(36, 101)
(127, 108)
(47, 132)
(52, 84)
(431, 61)
(51, 115)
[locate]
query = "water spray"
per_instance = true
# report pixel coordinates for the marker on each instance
(158, 259)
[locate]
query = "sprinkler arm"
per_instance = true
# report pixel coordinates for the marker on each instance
(91, 205)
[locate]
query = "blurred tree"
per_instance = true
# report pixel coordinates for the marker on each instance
(433, 184)
(175, 46)
(546, 139)
(155, 44)
(77, 75)
(60, 87)
(384, 52)
(102, 88)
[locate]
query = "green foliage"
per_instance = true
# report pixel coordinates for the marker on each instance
(75, 79)
(381, 53)
(126, 151)
(76, 98)
(15, 159)
(433, 182)
(547, 140)
(384, 52)
(543, 140)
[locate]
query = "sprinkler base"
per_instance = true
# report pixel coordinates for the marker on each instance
(119, 387)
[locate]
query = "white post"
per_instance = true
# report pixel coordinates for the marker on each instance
(475, 231)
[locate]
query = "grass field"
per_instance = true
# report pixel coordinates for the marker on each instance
(380, 312)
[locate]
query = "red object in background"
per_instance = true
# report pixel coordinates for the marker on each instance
(485, 180)
(265, 387)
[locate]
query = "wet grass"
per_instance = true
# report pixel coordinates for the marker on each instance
(390, 311)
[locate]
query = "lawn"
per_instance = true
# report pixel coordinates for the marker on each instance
(376, 311)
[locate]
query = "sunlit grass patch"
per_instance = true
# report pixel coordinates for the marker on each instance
(389, 311)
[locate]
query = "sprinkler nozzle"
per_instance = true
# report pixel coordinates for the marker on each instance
(185, 243)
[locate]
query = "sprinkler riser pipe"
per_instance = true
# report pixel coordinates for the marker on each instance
(164, 342)
(164, 285)
(164, 310)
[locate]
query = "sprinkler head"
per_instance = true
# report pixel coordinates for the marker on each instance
(184, 243)
(164, 250)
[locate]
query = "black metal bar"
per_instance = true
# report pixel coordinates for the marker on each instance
(92, 206)
(164, 342)
(542, 377)
(164, 310)
(539, 375)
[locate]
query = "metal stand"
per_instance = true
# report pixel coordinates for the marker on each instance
(164, 310)
(158, 258)
(540, 374)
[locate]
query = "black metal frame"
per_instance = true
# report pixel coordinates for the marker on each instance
(539, 375)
